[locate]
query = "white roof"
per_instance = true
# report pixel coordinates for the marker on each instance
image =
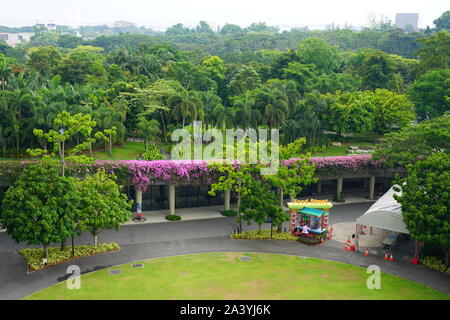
(385, 214)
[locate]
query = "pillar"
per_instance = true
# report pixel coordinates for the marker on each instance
(372, 188)
(172, 199)
(138, 201)
(319, 187)
(227, 196)
(340, 181)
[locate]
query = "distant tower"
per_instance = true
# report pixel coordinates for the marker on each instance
(407, 21)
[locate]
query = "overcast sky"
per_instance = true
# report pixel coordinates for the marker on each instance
(160, 14)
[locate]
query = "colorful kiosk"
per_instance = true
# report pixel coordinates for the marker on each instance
(310, 219)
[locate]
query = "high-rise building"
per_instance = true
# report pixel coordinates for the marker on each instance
(407, 21)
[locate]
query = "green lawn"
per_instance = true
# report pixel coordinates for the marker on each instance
(341, 151)
(225, 276)
(130, 152)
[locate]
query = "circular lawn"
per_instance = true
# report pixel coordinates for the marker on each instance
(237, 276)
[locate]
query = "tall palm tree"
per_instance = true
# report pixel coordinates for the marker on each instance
(210, 100)
(148, 130)
(223, 117)
(185, 104)
(245, 113)
(273, 104)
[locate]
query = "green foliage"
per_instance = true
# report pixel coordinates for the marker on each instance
(229, 213)
(152, 153)
(173, 217)
(41, 208)
(435, 264)
(435, 51)
(264, 235)
(415, 142)
(443, 22)
(430, 93)
(425, 200)
(101, 204)
(33, 257)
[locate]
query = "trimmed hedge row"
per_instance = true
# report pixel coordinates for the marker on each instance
(435, 264)
(33, 257)
(264, 235)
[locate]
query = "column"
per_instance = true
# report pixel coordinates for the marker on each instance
(358, 230)
(138, 201)
(319, 187)
(227, 196)
(340, 181)
(372, 188)
(172, 199)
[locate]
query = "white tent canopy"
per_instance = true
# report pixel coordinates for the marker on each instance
(385, 214)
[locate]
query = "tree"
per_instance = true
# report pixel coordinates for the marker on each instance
(41, 206)
(435, 51)
(415, 142)
(320, 53)
(443, 22)
(69, 127)
(425, 200)
(148, 130)
(260, 204)
(232, 177)
(290, 178)
(185, 104)
(44, 59)
(375, 67)
(245, 79)
(430, 93)
(102, 205)
(393, 110)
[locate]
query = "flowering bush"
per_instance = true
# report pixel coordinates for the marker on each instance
(143, 173)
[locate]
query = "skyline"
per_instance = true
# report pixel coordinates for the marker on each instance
(160, 15)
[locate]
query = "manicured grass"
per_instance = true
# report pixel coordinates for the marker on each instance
(226, 276)
(130, 152)
(341, 151)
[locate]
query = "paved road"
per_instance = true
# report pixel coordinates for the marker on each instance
(166, 239)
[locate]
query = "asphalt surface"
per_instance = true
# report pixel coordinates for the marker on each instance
(140, 242)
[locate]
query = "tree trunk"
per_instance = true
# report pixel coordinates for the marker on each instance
(281, 190)
(239, 211)
(45, 251)
(110, 146)
(64, 245)
(259, 228)
(95, 240)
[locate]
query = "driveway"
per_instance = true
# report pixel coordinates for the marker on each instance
(141, 242)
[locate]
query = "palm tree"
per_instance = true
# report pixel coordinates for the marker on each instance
(210, 100)
(223, 117)
(185, 104)
(245, 113)
(148, 130)
(274, 106)
(17, 106)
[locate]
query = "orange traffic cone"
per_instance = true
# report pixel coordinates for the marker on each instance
(392, 257)
(367, 252)
(386, 256)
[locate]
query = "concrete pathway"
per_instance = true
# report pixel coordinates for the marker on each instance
(140, 242)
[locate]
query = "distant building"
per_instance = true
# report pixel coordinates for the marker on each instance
(407, 21)
(13, 39)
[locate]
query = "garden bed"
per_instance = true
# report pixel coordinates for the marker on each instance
(264, 235)
(33, 257)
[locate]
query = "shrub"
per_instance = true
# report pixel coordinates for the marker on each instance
(264, 235)
(152, 153)
(34, 257)
(229, 213)
(173, 217)
(435, 264)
